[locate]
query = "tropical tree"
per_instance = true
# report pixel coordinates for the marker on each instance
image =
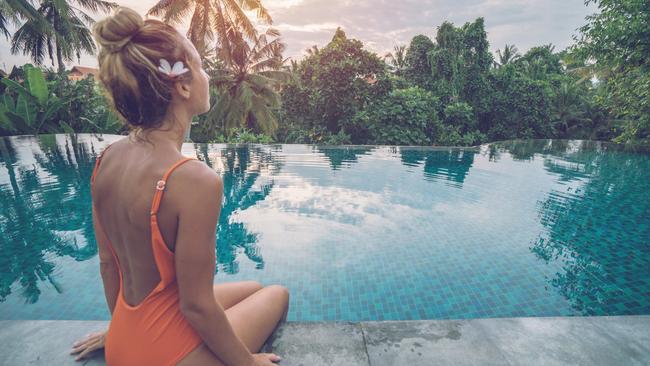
(447, 65)
(33, 109)
(540, 62)
(418, 65)
(568, 108)
(312, 51)
(403, 117)
(212, 17)
(15, 12)
(616, 39)
(68, 35)
(397, 60)
(509, 54)
(334, 84)
(247, 83)
(519, 106)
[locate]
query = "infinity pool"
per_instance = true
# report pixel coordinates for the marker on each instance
(530, 228)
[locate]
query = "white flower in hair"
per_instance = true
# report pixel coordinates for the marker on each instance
(177, 69)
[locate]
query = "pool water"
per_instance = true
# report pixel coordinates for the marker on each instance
(528, 228)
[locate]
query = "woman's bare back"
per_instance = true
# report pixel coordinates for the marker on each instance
(123, 193)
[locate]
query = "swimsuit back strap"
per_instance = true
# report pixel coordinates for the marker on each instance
(97, 161)
(160, 185)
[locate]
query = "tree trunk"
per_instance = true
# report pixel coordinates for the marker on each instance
(59, 56)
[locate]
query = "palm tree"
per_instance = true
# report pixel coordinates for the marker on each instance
(397, 61)
(67, 35)
(248, 83)
(15, 11)
(312, 51)
(292, 67)
(510, 54)
(585, 69)
(210, 17)
(568, 109)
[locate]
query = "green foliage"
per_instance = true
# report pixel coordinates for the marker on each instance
(57, 28)
(246, 84)
(242, 135)
(451, 136)
(397, 61)
(446, 63)
(461, 116)
(540, 62)
(333, 84)
(418, 66)
(508, 55)
(477, 62)
(54, 105)
(29, 108)
(340, 138)
(617, 39)
(87, 109)
(520, 107)
(460, 64)
(404, 117)
(449, 92)
(213, 19)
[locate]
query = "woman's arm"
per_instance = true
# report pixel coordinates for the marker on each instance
(195, 266)
(111, 278)
(107, 265)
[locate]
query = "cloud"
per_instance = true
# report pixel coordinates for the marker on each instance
(310, 28)
(382, 24)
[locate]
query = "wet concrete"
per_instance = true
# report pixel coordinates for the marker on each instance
(616, 340)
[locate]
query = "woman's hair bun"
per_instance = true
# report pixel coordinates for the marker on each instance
(116, 30)
(130, 50)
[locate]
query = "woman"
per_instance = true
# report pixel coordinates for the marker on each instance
(155, 214)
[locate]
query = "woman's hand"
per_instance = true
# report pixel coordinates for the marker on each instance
(265, 359)
(93, 341)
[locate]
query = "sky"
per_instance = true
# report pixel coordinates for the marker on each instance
(383, 24)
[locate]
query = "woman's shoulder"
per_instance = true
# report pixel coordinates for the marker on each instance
(198, 190)
(196, 177)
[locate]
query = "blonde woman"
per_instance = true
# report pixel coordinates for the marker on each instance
(155, 213)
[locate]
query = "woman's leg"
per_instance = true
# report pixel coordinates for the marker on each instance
(230, 293)
(253, 319)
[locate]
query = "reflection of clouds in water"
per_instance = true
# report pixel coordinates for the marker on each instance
(518, 229)
(463, 210)
(304, 218)
(334, 204)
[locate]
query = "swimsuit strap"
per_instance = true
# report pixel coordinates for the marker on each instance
(160, 185)
(97, 161)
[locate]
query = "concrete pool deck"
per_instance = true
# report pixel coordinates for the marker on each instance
(598, 340)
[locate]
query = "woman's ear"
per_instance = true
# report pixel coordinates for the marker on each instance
(183, 89)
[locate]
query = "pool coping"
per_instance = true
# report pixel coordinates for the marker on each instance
(592, 340)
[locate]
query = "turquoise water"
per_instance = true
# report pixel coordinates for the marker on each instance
(534, 228)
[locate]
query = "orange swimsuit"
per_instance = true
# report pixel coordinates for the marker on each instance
(154, 332)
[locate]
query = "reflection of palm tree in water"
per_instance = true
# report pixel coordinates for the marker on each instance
(33, 211)
(598, 232)
(72, 169)
(27, 229)
(242, 166)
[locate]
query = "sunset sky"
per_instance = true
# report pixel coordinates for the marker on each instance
(381, 24)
